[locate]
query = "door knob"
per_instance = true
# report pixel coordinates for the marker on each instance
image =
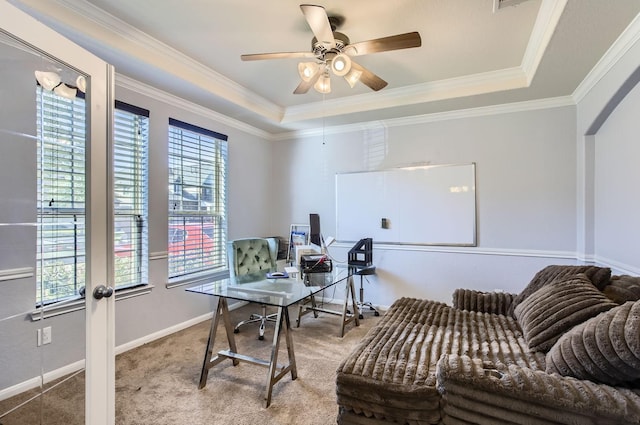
(102, 292)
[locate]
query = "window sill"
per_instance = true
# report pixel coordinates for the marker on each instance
(78, 303)
(195, 279)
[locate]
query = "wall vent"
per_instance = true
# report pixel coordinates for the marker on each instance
(501, 4)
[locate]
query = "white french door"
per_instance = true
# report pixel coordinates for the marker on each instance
(27, 46)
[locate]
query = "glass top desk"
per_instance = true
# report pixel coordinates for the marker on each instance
(280, 293)
(310, 305)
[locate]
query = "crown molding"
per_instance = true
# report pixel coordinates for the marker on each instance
(84, 17)
(629, 38)
(122, 37)
(126, 38)
(469, 85)
(155, 93)
(531, 105)
(546, 22)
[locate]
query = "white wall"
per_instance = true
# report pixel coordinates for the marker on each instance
(162, 310)
(542, 191)
(249, 188)
(19, 356)
(526, 196)
(617, 184)
(607, 142)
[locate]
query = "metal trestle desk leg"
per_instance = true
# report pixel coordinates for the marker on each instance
(276, 371)
(349, 302)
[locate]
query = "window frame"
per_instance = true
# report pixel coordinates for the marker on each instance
(78, 214)
(139, 239)
(61, 134)
(186, 212)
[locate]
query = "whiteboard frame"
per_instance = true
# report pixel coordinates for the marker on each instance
(474, 227)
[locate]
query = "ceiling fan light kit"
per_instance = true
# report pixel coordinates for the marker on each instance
(65, 91)
(333, 50)
(341, 64)
(52, 81)
(353, 77)
(307, 70)
(323, 85)
(47, 79)
(81, 83)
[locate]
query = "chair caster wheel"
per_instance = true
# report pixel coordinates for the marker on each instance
(236, 331)
(360, 316)
(261, 337)
(376, 314)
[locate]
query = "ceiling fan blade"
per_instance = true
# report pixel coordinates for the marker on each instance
(318, 21)
(304, 86)
(368, 78)
(384, 44)
(280, 55)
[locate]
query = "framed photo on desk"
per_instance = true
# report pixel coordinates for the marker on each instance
(298, 236)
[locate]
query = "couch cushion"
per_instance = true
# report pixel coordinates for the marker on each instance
(557, 307)
(623, 288)
(604, 349)
(599, 276)
(390, 375)
(474, 393)
(482, 302)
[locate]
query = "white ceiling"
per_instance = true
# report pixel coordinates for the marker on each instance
(471, 55)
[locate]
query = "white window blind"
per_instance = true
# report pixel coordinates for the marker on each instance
(61, 196)
(61, 125)
(130, 163)
(197, 200)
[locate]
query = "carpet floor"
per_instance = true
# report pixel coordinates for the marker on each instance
(157, 383)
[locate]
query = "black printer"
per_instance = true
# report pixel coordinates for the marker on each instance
(315, 263)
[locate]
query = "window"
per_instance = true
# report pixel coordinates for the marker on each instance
(60, 269)
(197, 200)
(130, 164)
(61, 196)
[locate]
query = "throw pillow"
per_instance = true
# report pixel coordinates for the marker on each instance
(557, 307)
(623, 288)
(605, 349)
(599, 276)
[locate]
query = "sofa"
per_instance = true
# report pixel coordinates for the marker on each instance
(566, 350)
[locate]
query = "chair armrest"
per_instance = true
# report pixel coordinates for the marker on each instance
(520, 394)
(482, 302)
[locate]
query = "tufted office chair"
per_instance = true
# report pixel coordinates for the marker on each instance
(249, 260)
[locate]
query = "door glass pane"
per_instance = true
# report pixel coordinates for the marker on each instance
(42, 238)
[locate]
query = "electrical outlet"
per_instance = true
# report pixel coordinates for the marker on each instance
(46, 335)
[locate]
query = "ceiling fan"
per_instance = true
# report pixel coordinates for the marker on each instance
(332, 50)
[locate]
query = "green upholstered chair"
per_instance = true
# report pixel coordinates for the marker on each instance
(249, 260)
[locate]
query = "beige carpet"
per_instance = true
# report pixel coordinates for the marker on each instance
(157, 383)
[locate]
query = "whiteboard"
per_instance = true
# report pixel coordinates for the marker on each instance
(427, 205)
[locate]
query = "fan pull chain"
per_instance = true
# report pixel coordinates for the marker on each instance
(323, 118)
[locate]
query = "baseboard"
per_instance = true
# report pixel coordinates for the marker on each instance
(34, 382)
(617, 267)
(161, 333)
